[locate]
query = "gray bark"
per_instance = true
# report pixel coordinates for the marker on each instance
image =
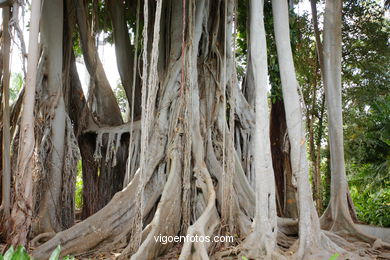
(332, 80)
(22, 207)
(340, 205)
(262, 240)
(51, 35)
(309, 229)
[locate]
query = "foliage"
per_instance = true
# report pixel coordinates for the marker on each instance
(372, 207)
(120, 95)
(366, 84)
(79, 187)
(21, 254)
(15, 86)
(334, 257)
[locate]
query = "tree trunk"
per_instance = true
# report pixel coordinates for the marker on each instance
(103, 102)
(49, 216)
(338, 206)
(109, 175)
(165, 147)
(262, 240)
(22, 207)
(125, 53)
(309, 229)
(5, 209)
(339, 216)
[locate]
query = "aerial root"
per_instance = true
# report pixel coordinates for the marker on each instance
(41, 238)
(114, 134)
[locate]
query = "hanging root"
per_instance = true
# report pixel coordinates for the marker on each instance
(112, 144)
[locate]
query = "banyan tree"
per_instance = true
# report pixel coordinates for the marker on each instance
(195, 153)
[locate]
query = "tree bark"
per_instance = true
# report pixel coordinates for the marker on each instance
(340, 214)
(262, 240)
(49, 216)
(125, 54)
(22, 207)
(6, 134)
(104, 108)
(309, 228)
(338, 206)
(103, 102)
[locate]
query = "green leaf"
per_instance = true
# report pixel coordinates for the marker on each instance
(68, 257)
(56, 253)
(9, 253)
(20, 254)
(334, 257)
(244, 258)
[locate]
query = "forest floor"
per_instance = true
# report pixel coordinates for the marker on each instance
(174, 254)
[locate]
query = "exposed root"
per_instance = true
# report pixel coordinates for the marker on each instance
(165, 221)
(340, 223)
(36, 241)
(206, 223)
(93, 232)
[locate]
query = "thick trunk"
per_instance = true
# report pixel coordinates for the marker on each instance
(309, 229)
(105, 109)
(6, 134)
(49, 216)
(164, 153)
(262, 240)
(22, 207)
(339, 192)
